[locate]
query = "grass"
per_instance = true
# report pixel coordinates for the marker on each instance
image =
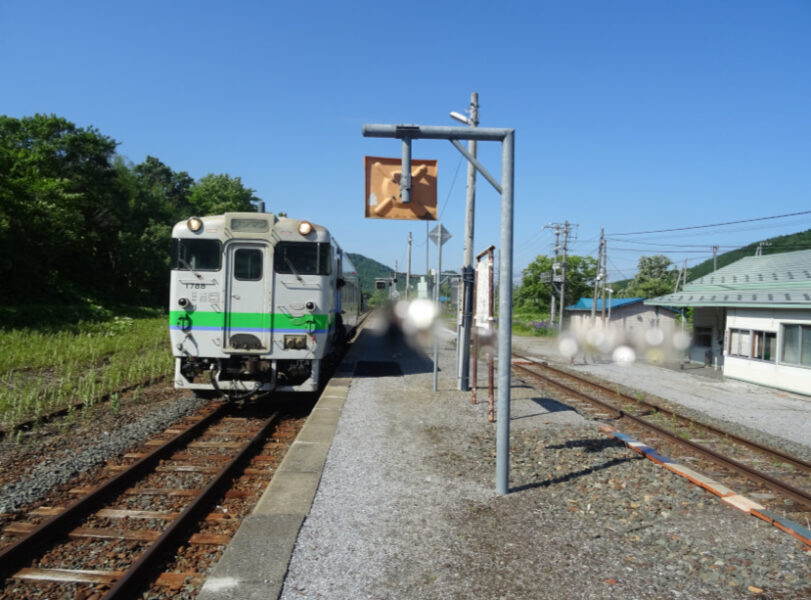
(523, 323)
(50, 366)
(530, 323)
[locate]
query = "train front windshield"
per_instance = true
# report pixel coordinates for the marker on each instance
(196, 255)
(303, 258)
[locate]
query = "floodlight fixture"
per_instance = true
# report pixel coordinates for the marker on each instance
(460, 117)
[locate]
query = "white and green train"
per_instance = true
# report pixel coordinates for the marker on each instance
(257, 303)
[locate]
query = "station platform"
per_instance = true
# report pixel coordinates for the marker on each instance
(389, 492)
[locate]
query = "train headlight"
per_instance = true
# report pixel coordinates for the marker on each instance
(305, 227)
(195, 224)
(295, 342)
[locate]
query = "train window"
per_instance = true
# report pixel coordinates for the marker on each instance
(196, 254)
(248, 264)
(303, 258)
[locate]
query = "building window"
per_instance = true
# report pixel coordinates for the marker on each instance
(739, 342)
(702, 336)
(760, 345)
(764, 344)
(796, 345)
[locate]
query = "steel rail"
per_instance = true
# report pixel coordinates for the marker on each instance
(12, 557)
(772, 452)
(760, 477)
(130, 584)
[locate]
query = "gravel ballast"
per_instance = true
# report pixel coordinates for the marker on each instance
(407, 508)
(56, 454)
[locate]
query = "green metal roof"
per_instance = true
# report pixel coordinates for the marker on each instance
(771, 281)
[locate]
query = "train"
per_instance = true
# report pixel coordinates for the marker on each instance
(258, 303)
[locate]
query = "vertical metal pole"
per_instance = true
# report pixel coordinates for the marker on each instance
(438, 278)
(408, 266)
(490, 325)
(463, 339)
(505, 293)
(610, 293)
(405, 175)
(427, 268)
(475, 374)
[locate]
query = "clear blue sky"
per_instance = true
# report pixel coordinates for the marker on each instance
(629, 116)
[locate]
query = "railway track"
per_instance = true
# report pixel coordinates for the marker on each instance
(779, 481)
(160, 505)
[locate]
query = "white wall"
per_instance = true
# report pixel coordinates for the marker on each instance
(629, 319)
(772, 374)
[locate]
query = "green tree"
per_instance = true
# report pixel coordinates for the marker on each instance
(654, 277)
(217, 194)
(78, 222)
(57, 206)
(163, 195)
(535, 294)
(157, 197)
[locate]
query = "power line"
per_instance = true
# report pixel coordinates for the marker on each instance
(453, 183)
(661, 250)
(666, 245)
(714, 234)
(804, 212)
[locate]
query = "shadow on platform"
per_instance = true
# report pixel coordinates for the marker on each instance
(574, 475)
(548, 405)
(387, 354)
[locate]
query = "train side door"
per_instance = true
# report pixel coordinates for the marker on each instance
(247, 302)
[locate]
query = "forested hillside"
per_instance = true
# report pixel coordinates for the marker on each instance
(369, 270)
(775, 245)
(669, 270)
(79, 224)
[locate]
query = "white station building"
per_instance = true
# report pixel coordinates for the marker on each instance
(753, 319)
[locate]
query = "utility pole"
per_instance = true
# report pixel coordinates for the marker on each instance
(566, 229)
(555, 267)
(682, 273)
(604, 280)
(463, 333)
(598, 278)
(714, 259)
(408, 266)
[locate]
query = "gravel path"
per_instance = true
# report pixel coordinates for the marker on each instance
(407, 508)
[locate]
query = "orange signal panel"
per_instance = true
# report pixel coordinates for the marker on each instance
(382, 199)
